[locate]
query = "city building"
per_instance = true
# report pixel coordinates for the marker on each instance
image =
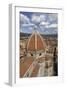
(36, 62)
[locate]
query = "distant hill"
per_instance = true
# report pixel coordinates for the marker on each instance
(24, 34)
(44, 35)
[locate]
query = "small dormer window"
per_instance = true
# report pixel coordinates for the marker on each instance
(31, 54)
(40, 54)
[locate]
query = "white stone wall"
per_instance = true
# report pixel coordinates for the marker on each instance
(50, 71)
(41, 69)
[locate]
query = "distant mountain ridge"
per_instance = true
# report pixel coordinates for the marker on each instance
(44, 35)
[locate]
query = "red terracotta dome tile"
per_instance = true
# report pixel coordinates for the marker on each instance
(36, 43)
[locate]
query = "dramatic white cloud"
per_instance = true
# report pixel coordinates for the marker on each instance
(53, 17)
(38, 18)
(44, 23)
(24, 19)
(25, 22)
(35, 19)
(51, 26)
(42, 17)
(28, 25)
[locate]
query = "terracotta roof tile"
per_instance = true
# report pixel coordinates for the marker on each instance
(24, 65)
(35, 71)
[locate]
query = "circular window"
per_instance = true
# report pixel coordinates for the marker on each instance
(40, 54)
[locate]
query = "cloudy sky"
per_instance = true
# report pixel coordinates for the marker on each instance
(46, 23)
